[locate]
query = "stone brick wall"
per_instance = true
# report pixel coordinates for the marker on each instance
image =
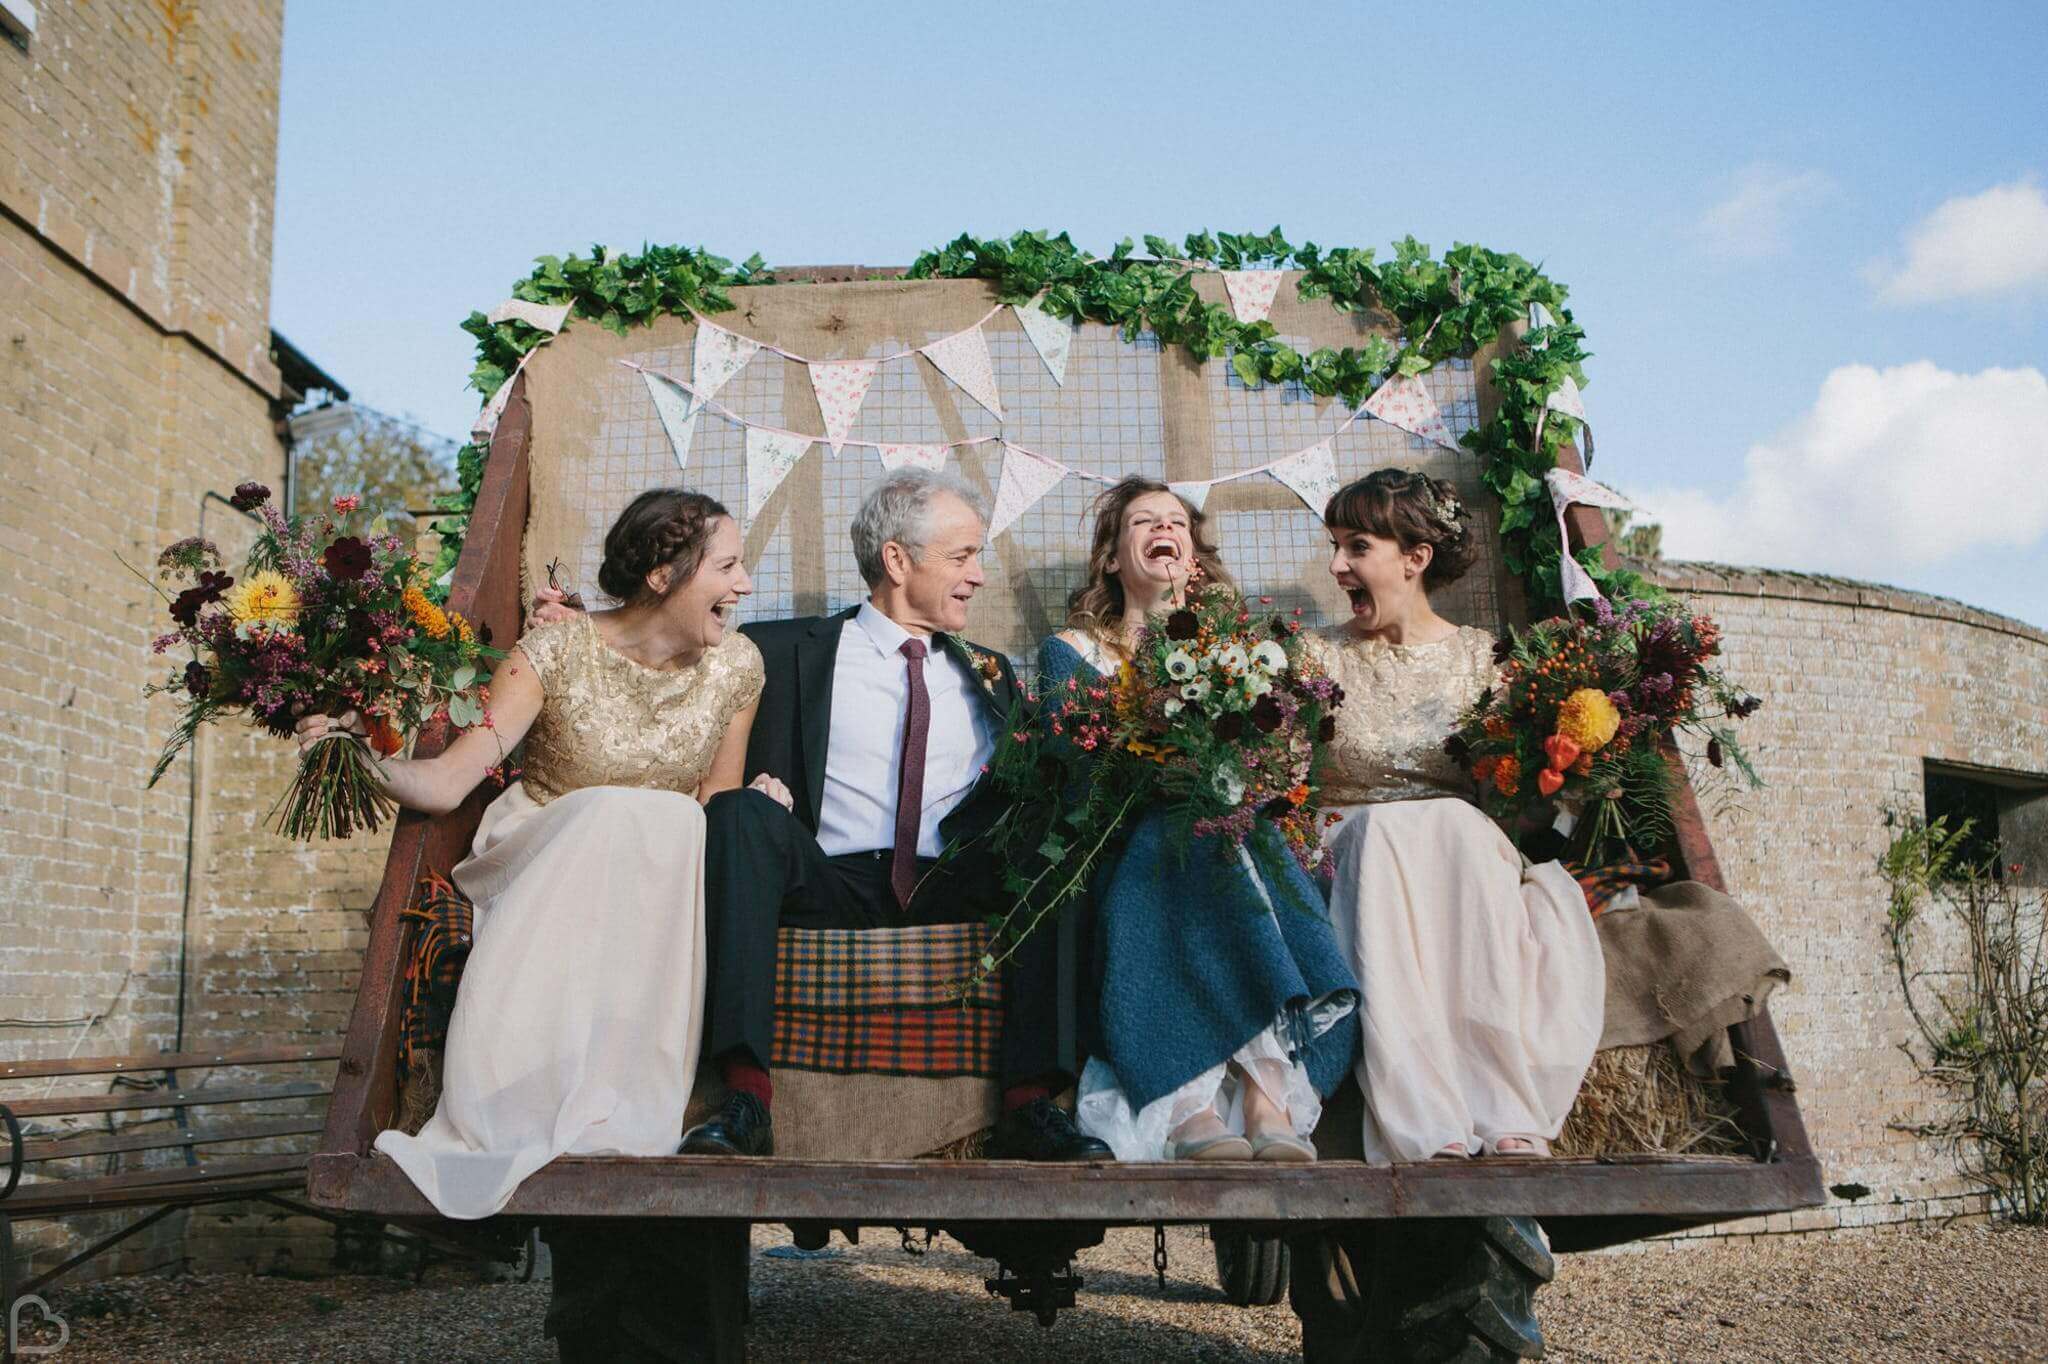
(138, 145)
(1863, 686)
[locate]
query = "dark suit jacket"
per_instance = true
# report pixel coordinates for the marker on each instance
(793, 726)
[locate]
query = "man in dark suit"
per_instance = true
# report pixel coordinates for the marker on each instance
(879, 721)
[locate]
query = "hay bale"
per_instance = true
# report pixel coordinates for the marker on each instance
(1640, 1101)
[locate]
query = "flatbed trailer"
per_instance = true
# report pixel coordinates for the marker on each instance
(1337, 1214)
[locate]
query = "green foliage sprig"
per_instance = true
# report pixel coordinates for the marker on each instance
(1444, 307)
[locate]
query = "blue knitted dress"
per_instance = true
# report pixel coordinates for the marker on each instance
(1205, 957)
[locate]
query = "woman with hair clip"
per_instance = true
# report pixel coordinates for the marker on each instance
(1483, 979)
(577, 1025)
(1226, 1008)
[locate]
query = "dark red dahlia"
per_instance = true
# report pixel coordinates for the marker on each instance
(1229, 726)
(1266, 714)
(1182, 625)
(347, 559)
(185, 609)
(249, 496)
(198, 679)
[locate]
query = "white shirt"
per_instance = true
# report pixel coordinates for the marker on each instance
(870, 709)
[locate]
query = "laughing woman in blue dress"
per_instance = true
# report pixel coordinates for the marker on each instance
(1227, 1009)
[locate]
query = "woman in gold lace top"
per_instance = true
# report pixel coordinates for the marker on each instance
(577, 1025)
(1482, 977)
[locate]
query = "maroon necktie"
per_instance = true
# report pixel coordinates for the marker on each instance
(917, 728)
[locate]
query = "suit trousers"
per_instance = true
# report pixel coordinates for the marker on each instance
(763, 870)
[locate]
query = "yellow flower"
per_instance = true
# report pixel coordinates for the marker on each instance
(425, 614)
(1588, 719)
(268, 597)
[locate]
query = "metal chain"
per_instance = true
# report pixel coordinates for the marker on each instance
(1159, 1253)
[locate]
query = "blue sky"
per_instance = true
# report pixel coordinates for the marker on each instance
(1809, 246)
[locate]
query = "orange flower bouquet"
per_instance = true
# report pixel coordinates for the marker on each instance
(320, 620)
(1573, 731)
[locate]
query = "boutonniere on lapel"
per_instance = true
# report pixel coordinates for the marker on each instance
(983, 664)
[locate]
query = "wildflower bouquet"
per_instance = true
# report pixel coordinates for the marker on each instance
(321, 620)
(1577, 723)
(1217, 720)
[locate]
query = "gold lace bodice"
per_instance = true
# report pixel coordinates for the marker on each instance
(606, 720)
(1401, 701)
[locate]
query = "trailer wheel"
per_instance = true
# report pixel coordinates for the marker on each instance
(1251, 1270)
(1422, 1292)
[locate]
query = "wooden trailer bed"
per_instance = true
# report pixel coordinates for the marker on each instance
(1583, 1203)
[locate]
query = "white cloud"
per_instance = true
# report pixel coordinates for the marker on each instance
(1755, 218)
(1889, 472)
(1980, 245)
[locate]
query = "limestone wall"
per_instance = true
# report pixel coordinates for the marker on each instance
(1863, 686)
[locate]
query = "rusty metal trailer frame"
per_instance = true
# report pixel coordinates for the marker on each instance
(1583, 1203)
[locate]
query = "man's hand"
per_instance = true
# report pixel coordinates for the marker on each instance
(773, 788)
(552, 604)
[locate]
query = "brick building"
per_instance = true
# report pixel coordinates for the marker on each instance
(138, 383)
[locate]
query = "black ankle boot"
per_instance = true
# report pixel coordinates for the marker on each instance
(743, 1127)
(1042, 1130)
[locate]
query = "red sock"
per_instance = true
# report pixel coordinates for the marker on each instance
(1024, 1092)
(743, 1076)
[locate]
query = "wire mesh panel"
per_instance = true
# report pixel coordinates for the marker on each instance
(1125, 407)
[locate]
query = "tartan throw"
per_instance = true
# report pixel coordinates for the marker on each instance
(1603, 883)
(883, 1001)
(886, 1001)
(442, 919)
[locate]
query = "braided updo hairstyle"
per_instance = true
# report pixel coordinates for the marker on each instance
(661, 526)
(1410, 508)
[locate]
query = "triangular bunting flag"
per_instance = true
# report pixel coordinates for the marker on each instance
(1195, 494)
(486, 424)
(963, 358)
(1312, 475)
(672, 405)
(548, 319)
(719, 354)
(916, 456)
(770, 457)
(1026, 478)
(1402, 401)
(1567, 487)
(1052, 336)
(1539, 316)
(841, 385)
(1251, 292)
(1567, 399)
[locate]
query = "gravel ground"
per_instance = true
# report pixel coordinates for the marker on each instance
(1972, 1293)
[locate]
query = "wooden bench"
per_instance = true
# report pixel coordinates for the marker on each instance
(167, 1108)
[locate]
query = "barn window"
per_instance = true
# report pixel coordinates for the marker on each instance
(2008, 814)
(18, 21)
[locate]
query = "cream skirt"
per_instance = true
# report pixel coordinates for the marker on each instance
(1483, 981)
(577, 1026)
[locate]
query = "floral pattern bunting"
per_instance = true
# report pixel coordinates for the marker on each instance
(1312, 475)
(1567, 399)
(717, 357)
(1567, 487)
(770, 457)
(1402, 401)
(916, 456)
(841, 386)
(1026, 478)
(1053, 337)
(1251, 292)
(963, 357)
(1194, 493)
(537, 315)
(678, 419)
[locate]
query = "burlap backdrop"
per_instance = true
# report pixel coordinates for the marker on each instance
(1125, 407)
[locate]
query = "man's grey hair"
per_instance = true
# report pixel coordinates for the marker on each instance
(899, 508)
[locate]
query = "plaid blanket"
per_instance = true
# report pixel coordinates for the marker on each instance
(885, 1001)
(1604, 883)
(442, 919)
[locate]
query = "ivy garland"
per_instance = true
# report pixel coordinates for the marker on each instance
(1445, 307)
